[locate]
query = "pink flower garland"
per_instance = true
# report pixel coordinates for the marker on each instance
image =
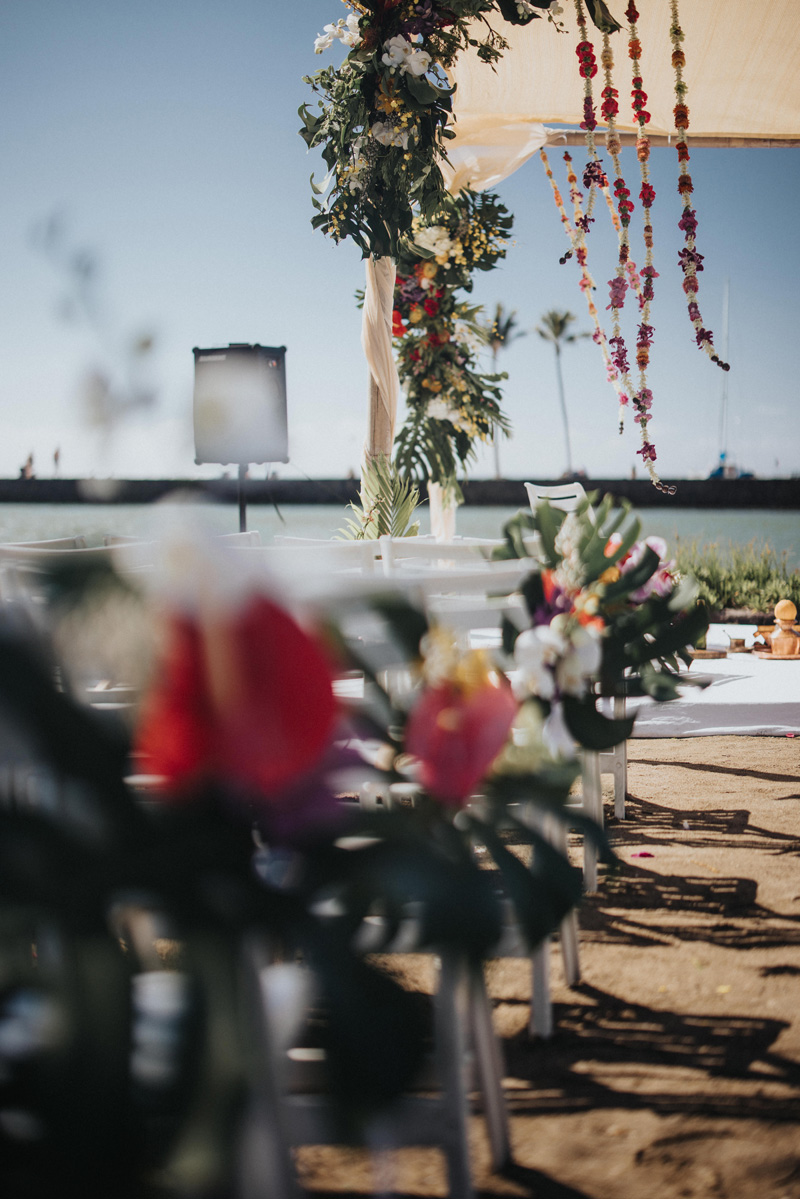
(587, 284)
(626, 269)
(691, 261)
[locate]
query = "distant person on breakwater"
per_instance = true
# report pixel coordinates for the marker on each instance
(56, 460)
(26, 470)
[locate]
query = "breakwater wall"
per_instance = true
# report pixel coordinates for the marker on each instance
(691, 493)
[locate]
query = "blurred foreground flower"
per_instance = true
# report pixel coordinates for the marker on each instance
(663, 579)
(460, 723)
(243, 697)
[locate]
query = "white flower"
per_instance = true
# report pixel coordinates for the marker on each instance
(390, 135)
(442, 410)
(404, 56)
(324, 41)
(580, 663)
(346, 31)
(351, 34)
(525, 8)
(536, 653)
(436, 240)
(556, 736)
(555, 9)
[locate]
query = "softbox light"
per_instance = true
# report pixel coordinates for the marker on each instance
(240, 404)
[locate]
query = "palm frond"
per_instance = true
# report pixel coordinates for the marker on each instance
(388, 503)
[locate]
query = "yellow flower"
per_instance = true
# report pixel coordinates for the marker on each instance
(428, 270)
(609, 576)
(416, 314)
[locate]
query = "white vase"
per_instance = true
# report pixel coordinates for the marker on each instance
(442, 503)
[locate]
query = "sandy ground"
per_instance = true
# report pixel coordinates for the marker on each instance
(674, 1071)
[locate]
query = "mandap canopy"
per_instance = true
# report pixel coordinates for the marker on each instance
(741, 72)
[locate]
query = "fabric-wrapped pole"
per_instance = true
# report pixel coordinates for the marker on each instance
(376, 339)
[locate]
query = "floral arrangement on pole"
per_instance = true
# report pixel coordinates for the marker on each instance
(609, 615)
(384, 113)
(452, 403)
(451, 739)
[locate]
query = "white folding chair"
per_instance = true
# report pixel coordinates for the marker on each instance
(77, 542)
(437, 1113)
(566, 496)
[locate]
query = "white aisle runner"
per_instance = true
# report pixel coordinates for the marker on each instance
(747, 695)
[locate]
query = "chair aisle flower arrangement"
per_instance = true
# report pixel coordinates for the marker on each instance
(193, 890)
(178, 869)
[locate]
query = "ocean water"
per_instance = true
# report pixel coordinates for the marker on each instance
(723, 528)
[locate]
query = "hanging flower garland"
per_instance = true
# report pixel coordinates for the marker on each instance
(625, 268)
(438, 336)
(577, 238)
(691, 261)
(643, 398)
(626, 276)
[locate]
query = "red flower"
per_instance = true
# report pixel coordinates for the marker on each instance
(244, 699)
(431, 306)
(457, 735)
(681, 116)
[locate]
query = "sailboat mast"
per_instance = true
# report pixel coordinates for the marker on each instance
(723, 413)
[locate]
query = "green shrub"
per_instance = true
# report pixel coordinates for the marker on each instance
(752, 576)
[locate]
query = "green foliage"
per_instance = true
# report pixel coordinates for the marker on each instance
(383, 130)
(752, 576)
(388, 503)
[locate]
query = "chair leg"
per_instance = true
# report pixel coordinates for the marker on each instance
(541, 1017)
(568, 930)
(449, 1018)
(568, 933)
(593, 806)
(489, 1061)
(620, 764)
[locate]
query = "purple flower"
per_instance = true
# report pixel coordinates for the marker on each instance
(688, 222)
(619, 354)
(688, 258)
(617, 288)
(594, 175)
(704, 335)
(424, 19)
(645, 336)
(648, 452)
(643, 399)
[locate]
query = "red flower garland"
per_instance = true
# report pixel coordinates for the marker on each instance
(643, 398)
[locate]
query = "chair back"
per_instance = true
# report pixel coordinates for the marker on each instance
(564, 496)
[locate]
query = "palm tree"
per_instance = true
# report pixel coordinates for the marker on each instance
(554, 328)
(502, 331)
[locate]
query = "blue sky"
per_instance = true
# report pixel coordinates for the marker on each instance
(164, 136)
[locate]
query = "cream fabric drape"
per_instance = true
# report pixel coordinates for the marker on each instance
(487, 150)
(741, 70)
(376, 340)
